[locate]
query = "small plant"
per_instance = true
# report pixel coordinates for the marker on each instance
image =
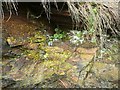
(76, 37)
(59, 35)
(88, 35)
(79, 37)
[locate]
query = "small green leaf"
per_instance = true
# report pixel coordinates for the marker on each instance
(56, 29)
(95, 10)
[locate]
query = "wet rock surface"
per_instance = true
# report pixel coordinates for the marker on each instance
(34, 64)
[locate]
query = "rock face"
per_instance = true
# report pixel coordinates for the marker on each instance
(37, 65)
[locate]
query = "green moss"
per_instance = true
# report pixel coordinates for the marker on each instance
(55, 53)
(52, 59)
(56, 61)
(56, 67)
(37, 38)
(32, 54)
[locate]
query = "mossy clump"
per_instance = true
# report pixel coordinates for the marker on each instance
(38, 41)
(56, 62)
(56, 53)
(38, 38)
(32, 54)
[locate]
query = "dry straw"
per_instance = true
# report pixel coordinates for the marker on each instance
(102, 17)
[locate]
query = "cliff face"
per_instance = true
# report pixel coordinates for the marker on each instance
(39, 54)
(30, 62)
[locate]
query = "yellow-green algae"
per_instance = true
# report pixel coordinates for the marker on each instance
(52, 61)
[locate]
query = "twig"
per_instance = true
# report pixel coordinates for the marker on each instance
(63, 83)
(91, 65)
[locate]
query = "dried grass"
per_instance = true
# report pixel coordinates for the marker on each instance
(11, 6)
(97, 16)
